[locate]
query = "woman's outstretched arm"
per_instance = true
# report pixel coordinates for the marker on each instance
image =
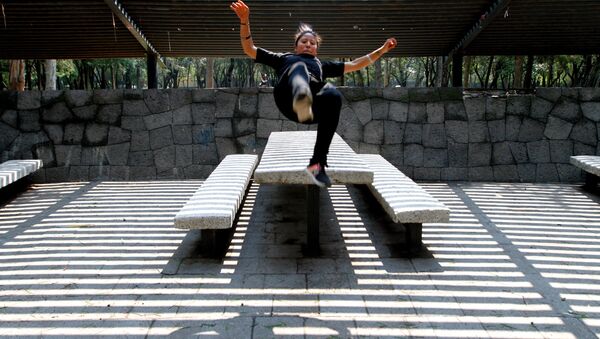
(243, 13)
(366, 60)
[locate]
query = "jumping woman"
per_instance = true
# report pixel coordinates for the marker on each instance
(301, 93)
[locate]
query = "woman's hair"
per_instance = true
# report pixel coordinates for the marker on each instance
(306, 29)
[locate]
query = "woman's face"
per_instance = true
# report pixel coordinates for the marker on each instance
(307, 44)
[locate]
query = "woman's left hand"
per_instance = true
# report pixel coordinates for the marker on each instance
(389, 44)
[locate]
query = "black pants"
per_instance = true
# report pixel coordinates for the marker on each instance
(326, 107)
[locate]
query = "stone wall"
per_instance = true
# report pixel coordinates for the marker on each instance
(430, 134)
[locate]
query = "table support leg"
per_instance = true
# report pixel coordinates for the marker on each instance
(591, 180)
(312, 220)
(414, 237)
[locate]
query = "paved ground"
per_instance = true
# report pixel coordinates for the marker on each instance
(103, 259)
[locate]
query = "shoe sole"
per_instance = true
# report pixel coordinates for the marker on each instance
(303, 107)
(314, 179)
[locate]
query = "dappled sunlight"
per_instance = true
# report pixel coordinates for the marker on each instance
(104, 259)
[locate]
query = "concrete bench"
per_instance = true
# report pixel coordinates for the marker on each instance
(285, 159)
(13, 170)
(214, 206)
(404, 200)
(591, 165)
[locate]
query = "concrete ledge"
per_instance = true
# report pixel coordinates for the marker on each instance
(13, 170)
(588, 163)
(215, 203)
(402, 198)
(287, 154)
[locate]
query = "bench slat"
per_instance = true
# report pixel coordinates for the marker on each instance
(13, 170)
(287, 154)
(403, 199)
(215, 203)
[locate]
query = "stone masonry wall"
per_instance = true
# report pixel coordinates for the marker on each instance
(434, 134)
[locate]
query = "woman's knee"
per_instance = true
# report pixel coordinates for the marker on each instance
(331, 96)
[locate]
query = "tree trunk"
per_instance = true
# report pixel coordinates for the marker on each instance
(210, 78)
(467, 59)
(378, 74)
(2, 85)
(518, 80)
(50, 70)
(439, 77)
(529, 72)
(488, 72)
(28, 73)
(16, 75)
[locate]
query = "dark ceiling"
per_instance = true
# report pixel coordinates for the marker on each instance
(78, 29)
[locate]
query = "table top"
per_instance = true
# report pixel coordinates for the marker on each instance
(287, 154)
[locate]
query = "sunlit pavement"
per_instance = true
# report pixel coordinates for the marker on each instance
(103, 259)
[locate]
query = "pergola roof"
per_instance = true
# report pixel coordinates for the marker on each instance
(79, 29)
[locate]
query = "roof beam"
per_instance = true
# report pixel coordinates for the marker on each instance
(120, 12)
(497, 7)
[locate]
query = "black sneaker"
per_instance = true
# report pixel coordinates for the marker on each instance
(318, 176)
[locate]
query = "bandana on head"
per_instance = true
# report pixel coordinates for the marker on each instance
(303, 33)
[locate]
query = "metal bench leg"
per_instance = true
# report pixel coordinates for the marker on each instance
(591, 181)
(312, 220)
(214, 242)
(414, 237)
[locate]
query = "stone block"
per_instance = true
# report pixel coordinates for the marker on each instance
(380, 109)
(117, 135)
(29, 100)
(454, 174)
(95, 134)
(78, 98)
(183, 115)
(501, 154)
(566, 110)
(118, 154)
(560, 151)
(164, 158)
(540, 109)
(478, 131)
(161, 137)
(589, 94)
(44, 152)
(224, 128)
(591, 110)
(142, 173)
(568, 173)
(531, 130)
(119, 173)
(557, 128)
(455, 110)
(350, 127)
(546, 173)
(108, 96)
(184, 155)
(79, 173)
(570, 93)
(435, 112)
(538, 151)
(29, 121)
(579, 148)
(585, 132)
(158, 120)
(57, 113)
(458, 155)
(417, 112)
(455, 131)
(247, 105)
(365, 148)
(359, 94)
(243, 126)
(157, 100)
(205, 154)
(11, 118)
(527, 172)
(179, 97)
(480, 154)
(373, 132)
(182, 134)
(394, 154)
(204, 95)
(247, 143)
(109, 114)
(396, 94)
(481, 173)
(66, 156)
(423, 94)
(513, 126)
(50, 97)
(141, 158)
(450, 93)
(413, 155)
(55, 133)
(140, 141)
(413, 133)
(203, 113)
(203, 134)
(225, 104)
(225, 146)
(97, 173)
(506, 173)
(362, 110)
(518, 105)
(495, 108)
(264, 127)
(9, 100)
(398, 111)
(135, 108)
(427, 173)
(267, 109)
(57, 174)
(199, 171)
(475, 108)
(133, 94)
(94, 156)
(73, 134)
(434, 135)
(288, 125)
(497, 130)
(435, 157)
(85, 113)
(393, 132)
(551, 94)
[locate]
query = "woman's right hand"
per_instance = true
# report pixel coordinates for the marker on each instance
(241, 10)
